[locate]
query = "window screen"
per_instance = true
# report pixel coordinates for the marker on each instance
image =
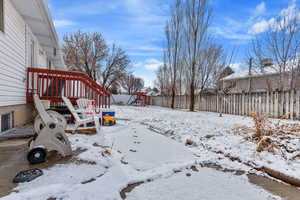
(6, 122)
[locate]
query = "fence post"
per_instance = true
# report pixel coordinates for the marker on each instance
(259, 103)
(281, 104)
(287, 106)
(272, 104)
(223, 104)
(268, 104)
(297, 104)
(252, 103)
(276, 105)
(243, 103)
(246, 104)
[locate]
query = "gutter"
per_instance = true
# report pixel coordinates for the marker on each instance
(43, 4)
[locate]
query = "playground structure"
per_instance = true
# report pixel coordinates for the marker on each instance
(139, 99)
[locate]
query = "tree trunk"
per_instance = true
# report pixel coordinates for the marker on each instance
(192, 99)
(173, 98)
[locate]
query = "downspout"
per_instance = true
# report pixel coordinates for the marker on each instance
(26, 66)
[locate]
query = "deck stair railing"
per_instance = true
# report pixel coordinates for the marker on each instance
(53, 84)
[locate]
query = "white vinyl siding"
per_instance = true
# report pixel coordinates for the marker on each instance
(39, 58)
(12, 58)
(15, 57)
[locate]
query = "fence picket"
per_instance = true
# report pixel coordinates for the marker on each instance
(292, 104)
(297, 105)
(272, 103)
(287, 106)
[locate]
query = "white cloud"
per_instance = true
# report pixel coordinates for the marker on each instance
(241, 30)
(144, 54)
(63, 23)
(148, 80)
(236, 66)
(260, 9)
(148, 48)
(231, 34)
(138, 64)
(259, 27)
(289, 10)
(288, 14)
(237, 29)
(152, 64)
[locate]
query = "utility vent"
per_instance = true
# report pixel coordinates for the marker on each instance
(266, 62)
(6, 121)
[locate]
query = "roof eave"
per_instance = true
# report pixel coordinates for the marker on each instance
(249, 76)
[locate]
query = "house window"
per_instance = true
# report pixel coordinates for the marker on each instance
(7, 121)
(49, 64)
(2, 15)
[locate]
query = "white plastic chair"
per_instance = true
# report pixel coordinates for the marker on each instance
(50, 135)
(87, 106)
(84, 120)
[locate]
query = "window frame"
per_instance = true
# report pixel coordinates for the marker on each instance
(10, 121)
(2, 23)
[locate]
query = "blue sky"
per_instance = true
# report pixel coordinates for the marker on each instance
(138, 25)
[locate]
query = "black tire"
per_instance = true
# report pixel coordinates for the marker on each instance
(37, 155)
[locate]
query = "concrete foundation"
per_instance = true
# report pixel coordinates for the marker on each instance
(22, 114)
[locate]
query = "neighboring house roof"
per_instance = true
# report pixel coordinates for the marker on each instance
(37, 15)
(153, 93)
(256, 72)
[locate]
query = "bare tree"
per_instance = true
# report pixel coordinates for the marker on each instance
(84, 52)
(163, 80)
(89, 53)
(281, 43)
(197, 19)
(284, 43)
(211, 63)
(115, 67)
(173, 32)
(132, 84)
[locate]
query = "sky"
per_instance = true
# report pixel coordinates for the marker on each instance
(138, 25)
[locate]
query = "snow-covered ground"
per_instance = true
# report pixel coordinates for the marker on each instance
(212, 133)
(205, 184)
(163, 167)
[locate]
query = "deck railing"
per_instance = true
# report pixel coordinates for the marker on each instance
(53, 84)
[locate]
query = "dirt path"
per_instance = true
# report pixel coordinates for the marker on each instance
(13, 159)
(285, 191)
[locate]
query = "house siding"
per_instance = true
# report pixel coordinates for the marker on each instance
(15, 57)
(262, 83)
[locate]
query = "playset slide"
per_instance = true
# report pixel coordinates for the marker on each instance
(133, 102)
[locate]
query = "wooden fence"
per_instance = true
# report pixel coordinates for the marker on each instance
(277, 104)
